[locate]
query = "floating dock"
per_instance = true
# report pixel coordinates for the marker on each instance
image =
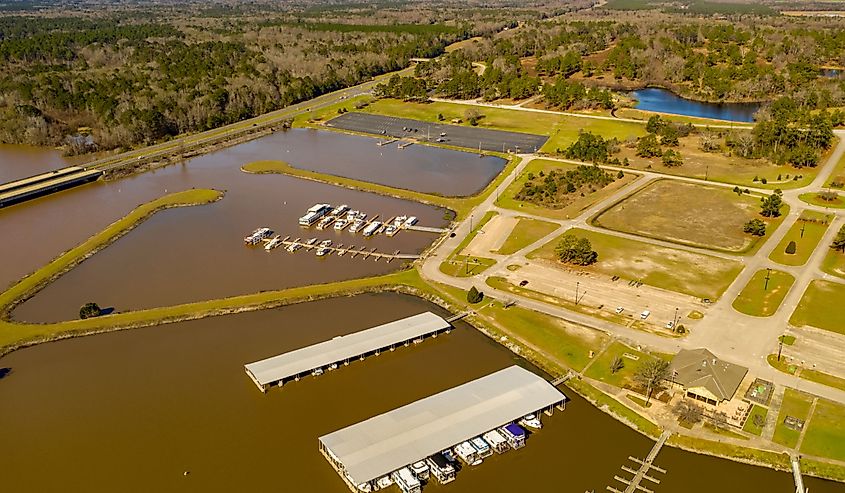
(343, 349)
(340, 250)
(366, 451)
(45, 183)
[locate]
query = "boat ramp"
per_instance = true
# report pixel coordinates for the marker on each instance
(373, 454)
(328, 355)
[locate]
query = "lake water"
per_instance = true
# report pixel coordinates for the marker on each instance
(132, 411)
(418, 167)
(665, 101)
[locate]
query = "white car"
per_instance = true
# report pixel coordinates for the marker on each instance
(670, 324)
(644, 315)
(619, 310)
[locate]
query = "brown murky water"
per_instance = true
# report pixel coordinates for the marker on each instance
(195, 253)
(20, 161)
(131, 411)
(418, 167)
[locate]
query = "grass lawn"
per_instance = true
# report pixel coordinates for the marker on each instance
(806, 233)
(723, 167)
(465, 266)
(578, 205)
(730, 450)
(761, 298)
(816, 307)
(689, 214)
(795, 404)
(814, 199)
(834, 263)
(787, 339)
(633, 359)
(825, 436)
(562, 341)
(526, 232)
(695, 274)
(783, 365)
(614, 407)
(838, 174)
(723, 432)
(749, 426)
(823, 469)
(823, 378)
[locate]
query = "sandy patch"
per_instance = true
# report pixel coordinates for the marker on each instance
(491, 237)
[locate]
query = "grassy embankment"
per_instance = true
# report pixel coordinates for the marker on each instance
(526, 232)
(690, 273)
(761, 297)
(460, 265)
(825, 435)
(815, 307)
(689, 214)
(807, 232)
(791, 367)
(796, 404)
(576, 207)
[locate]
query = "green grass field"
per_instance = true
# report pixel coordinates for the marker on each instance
(526, 232)
(695, 274)
(761, 298)
(834, 263)
(806, 234)
(562, 341)
(823, 378)
(814, 199)
(815, 308)
(689, 214)
(465, 266)
(749, 426)
(795, 404)
(825, 436)
(600, 369)
(578, 205)
(838, 173)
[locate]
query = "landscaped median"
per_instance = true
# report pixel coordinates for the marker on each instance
(462, 264)
(764, 293)
(801, 239)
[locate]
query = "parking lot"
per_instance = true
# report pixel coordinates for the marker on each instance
(455, 135)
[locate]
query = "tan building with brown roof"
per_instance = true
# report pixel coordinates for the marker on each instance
(705, 377)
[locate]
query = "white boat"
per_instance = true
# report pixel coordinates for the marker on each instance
(324, 222)
(256, 236)
(496, 440)
(317, 372)
(406, 481)
(275, 242)
(384, 482)
(311, 241)
(325, 247)
(482, 447)
(333, 366)
(340, 224)
(371, 228)
(313, 214)
(356, 226)
(441, 468)
(420, 470)
(410, 221)
(514, 434)
(391, 230)
(468, 453)
(340, 210)
(398, 221)
(531, 421)
(294, 246)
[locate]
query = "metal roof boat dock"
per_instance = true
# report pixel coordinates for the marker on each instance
(340, 350)
(371, 449)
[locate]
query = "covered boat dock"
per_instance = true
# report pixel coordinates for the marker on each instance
(371, 449)
(343, 349)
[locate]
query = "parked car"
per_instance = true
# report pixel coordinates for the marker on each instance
(619, 309)
(644, 315)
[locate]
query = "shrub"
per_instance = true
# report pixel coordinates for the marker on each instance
(791, 248)
(89, 310)
(574, 250)
(474, 296)
(755, 227)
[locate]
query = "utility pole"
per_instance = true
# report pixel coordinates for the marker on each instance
(780, 346)
(803, 225)
(675, 320)
(577, 283)
(768, 274)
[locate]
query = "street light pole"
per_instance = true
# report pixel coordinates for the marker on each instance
(766, 284)
(577, 283)
(780, 346)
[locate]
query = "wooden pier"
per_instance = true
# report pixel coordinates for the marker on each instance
(796, 474)
(426, 229)
(644, 467)
(340, 250)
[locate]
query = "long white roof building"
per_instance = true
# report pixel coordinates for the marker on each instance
(380, 445)
(339, 349)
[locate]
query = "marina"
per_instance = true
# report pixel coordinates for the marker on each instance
(291, 366)
(365, 453)
(338, 218)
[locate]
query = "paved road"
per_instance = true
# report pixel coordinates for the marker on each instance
(729, 334)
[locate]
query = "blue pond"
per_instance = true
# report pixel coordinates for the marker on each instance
(664, 101)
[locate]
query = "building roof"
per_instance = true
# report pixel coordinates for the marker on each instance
(701, 368)
(385, 443)
(340, 348)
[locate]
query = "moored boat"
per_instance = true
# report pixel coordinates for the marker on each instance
(406, 481)
(314, 214)
(467, 453)
(531, 421)
(420, 470)
(497, 442)
(441, 468)
(256, 236)
(514, 434)
(372, 228)
(482, 447)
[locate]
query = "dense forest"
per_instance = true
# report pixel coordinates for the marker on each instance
(143, 72)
